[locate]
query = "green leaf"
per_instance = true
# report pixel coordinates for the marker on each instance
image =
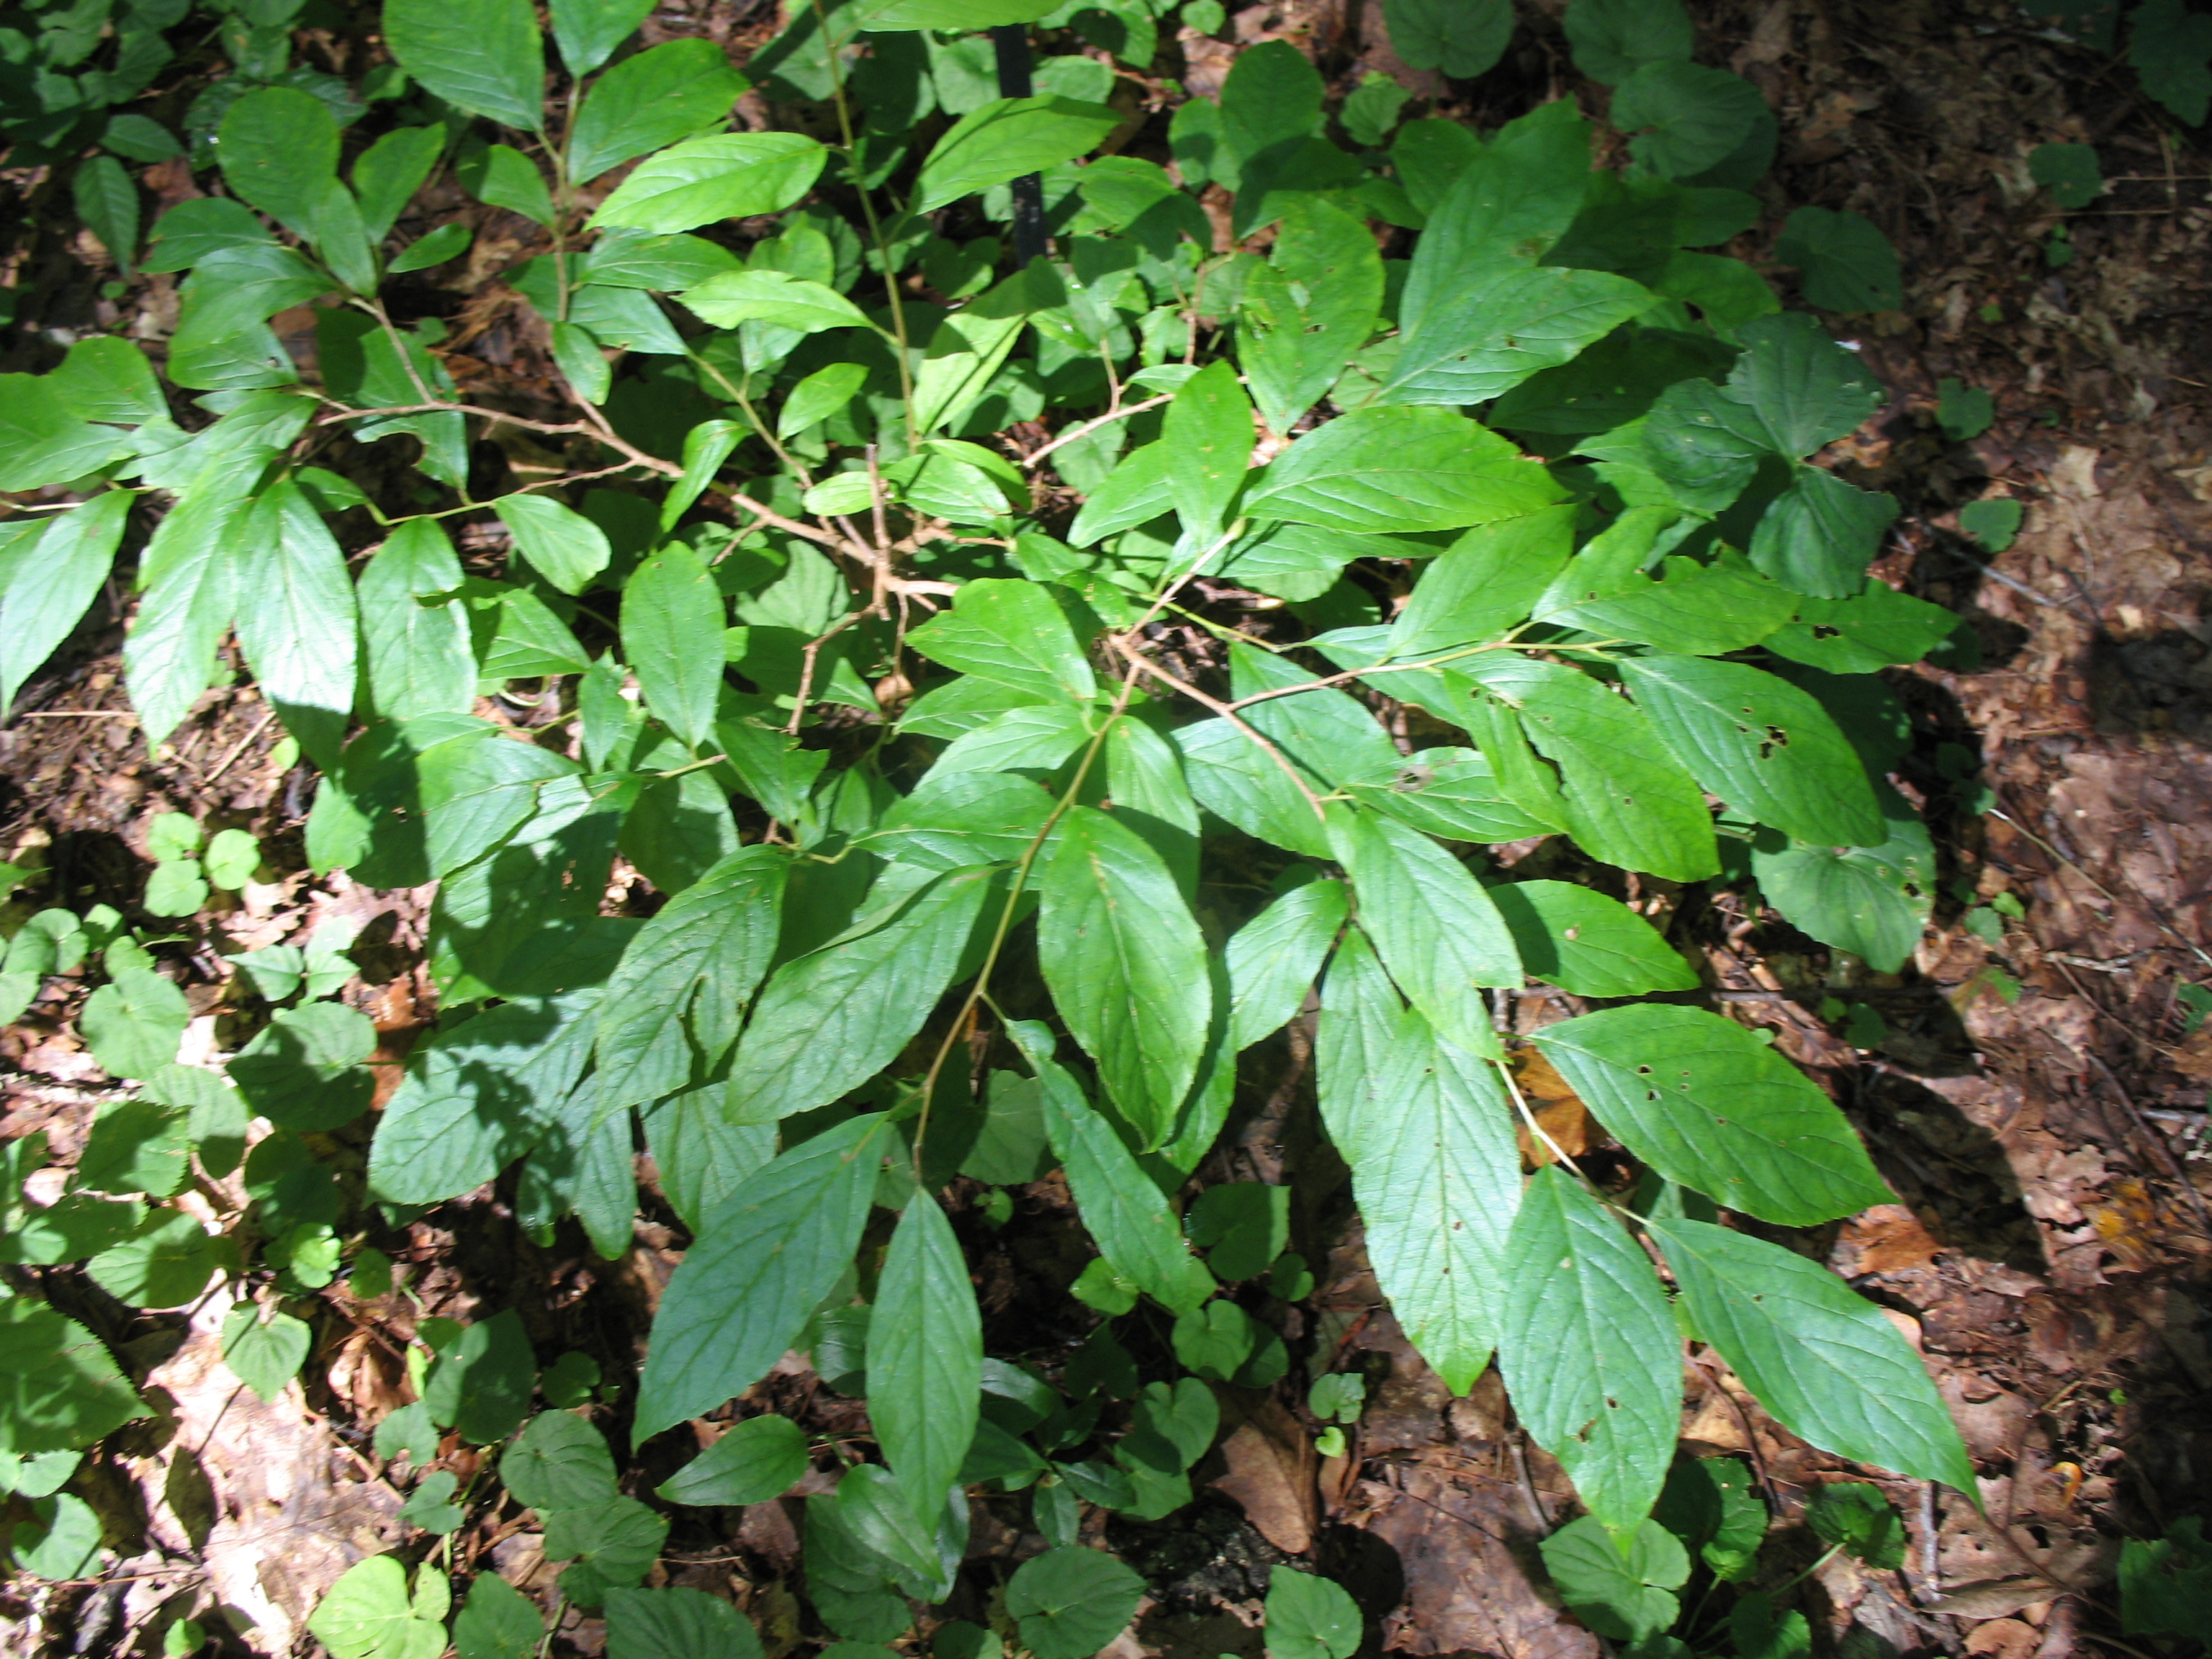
(1585, 942)
(387, 175)
(1873, 901)
(1451, 793)
(499, 175)
(105, 199)
(1120, 1204)
(559, 1461)
(497, 1621)
(1242, 1226)
(265, 1354)
(1993, 521)
(1426, 1129)
(668, 264)
(60, 1538)
(49, 578)
(434, 247)
(42, 443)
(1623, 799)
(1589, 1349)
(701, 1155)
(1010, 634)
(1503, 326)
(1964, 412)
(947, 14)
(1310, 1617)
(1235, 779)
(1434, 924)
(2170, 47)
(674, 1002)
(1845, 262)
(756, 1272)
(300, 631)
(165, 1264)
(303, 1071)
(1329, 734)
(137, 1147)
(662, 94)
(1462, 38)
(419, 660)
(488, 58)
(192, 230)
(676, 1624)
(924, 1355)
(1126, 964)
(105, 378)
(1857, 1516)
(1400, 469)
(830, 1020)
(1309, 309)
(1003, 139)
(232, 856)
(1611, 40)
(1689, 118)
(819, 396)
(1819, 534)
(1273, 958)
(731, 176)
(1623, 1594)
(614, 1543)
(2069, 172)
(1505, 204)
(753, 1461)
(1069, 1603)
(672, 637)
(967, 349)
(133, 1023)
(60, 1388)
(480, 1386)
(1759, 743)
(588, 31)
(562, 544)
(1485, 583)
(1710, 1106)
(280, 152)
(1207, 433)
(140, 138)
(736, 297)
(1823, 1361)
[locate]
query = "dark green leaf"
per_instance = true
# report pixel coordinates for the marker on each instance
(1071, 1602)
(1434, 924)
(487, 58)
(662, 94)
(1126, 964)
(559, 1461)
(1857, 1516)
(1761, 744)
(1825, 1362)
(1707, 1104)
(1611, 40)
(105, 378)
(107, 200)
(588, 31)
(1585, 942)
(42, 443)
(1688, 118)
(699, 1154)
(1844, 261)
(165, 1263)
(924, 1355)
(614, 1543)
(1486, 582)
(1504, 324)
(1872, 901)
(60, 1388)
(49, 578)
(1310, 1617)
(1400, 469)
(760, 1265)
(280, 152)
(676, 1624)
(497, 1621)
(672, 637)
(386, 177)
(137, 1146)
(1588, 1348)
(732, 176)
(305, 1071)
(1819, 535)
(265, 1354)
(1462, 38)
(1869, 631)
(1273, 958)
(480, 1386)
(753, 1461)
(1619, 1593)
(1003, 139)
(1012, 634)
(2171, 48)
(1306, 312)
(828, 1021)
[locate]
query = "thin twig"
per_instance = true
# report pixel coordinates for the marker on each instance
(244, 743)
(1089, 426)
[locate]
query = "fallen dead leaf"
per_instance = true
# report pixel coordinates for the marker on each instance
(1272, 1473)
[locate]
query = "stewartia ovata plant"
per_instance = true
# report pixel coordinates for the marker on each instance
(1025, 685)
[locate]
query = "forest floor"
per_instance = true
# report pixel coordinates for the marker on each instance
(2037, 1100)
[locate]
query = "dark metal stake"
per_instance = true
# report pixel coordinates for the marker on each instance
(1011, 42)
